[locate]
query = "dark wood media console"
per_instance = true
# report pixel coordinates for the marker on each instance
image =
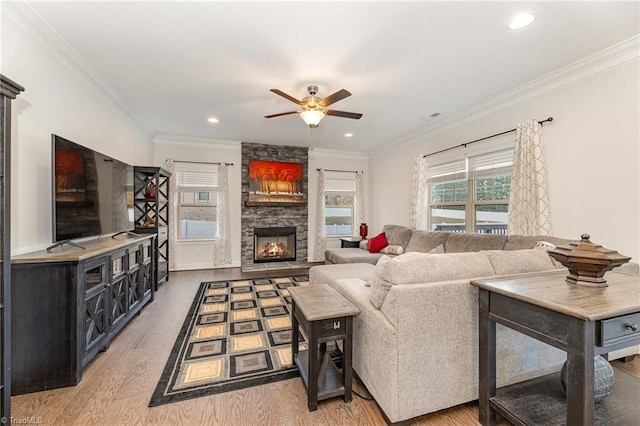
(69, 303)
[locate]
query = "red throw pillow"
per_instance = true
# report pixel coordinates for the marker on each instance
(378, 242)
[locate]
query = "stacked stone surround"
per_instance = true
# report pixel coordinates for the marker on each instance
(268, 216)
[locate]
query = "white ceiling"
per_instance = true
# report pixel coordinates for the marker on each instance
(174, 64)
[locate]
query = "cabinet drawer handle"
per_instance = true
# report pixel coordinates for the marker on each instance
(632, 327)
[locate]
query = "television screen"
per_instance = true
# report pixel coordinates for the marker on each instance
(92, 193)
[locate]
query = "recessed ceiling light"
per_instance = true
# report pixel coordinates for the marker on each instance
(348, 135)
(212, 120)
(521, 21)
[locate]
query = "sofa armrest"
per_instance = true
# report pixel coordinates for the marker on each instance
(351, 255)
(437, 328)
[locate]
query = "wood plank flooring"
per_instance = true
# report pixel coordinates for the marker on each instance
(117, 385)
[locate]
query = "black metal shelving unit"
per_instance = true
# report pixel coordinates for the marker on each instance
(151, 207)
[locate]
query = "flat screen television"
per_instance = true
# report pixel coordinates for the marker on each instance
(92, 192)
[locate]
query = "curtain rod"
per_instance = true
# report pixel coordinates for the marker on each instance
(341, 171)
(202, 162)
(464, 145)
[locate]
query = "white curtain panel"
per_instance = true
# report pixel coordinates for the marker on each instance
(173, 213)
(359, 216)
(320, 244)
(222, 249)
(529, 209)
(419, 193)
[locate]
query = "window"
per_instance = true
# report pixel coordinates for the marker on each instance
(471, 194)
(339, 202)
(197, 194)
(204, 197)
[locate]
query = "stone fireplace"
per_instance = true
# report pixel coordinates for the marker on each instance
(259, 217)
(274, 244)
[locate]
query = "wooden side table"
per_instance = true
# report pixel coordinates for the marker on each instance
(348, 242)
(584, 322)
(325, 316)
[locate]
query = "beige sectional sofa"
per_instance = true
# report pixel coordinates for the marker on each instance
(426, 241)
(415, 340)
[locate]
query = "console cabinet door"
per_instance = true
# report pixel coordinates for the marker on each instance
(147, 270)
(118, 289)
(134, 281)
(96, 305)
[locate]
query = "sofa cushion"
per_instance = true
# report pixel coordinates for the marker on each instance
(397, 235)
(416, 268)
(457, 243)
(412, 268)
(437, 250)
(377, 243)
(379, 287)
(524, 242)
(325, 274)
(425, 241)
(520, 261)
(351, 255)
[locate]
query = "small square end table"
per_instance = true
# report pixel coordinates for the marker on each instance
(324, 315)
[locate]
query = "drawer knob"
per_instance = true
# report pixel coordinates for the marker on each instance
(632, 327)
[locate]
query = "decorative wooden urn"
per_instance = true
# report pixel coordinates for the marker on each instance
(587, 262)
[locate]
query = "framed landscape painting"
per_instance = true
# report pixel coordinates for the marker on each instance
(275, 183)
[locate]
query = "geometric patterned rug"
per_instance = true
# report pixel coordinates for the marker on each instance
(237, 334)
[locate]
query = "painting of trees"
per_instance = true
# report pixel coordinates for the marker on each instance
(274, 181)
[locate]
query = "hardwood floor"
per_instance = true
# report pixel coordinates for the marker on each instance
(117, 385)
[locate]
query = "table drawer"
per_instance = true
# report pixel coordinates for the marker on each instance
(334, 327)
(620, 329)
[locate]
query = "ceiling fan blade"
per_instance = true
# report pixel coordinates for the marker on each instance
(281, 113)
(344, 114)
(338, 96)
(284, 95)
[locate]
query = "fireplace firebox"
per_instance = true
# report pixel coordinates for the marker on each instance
(274, 244)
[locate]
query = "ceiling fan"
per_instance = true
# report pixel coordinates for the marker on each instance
(313, 108)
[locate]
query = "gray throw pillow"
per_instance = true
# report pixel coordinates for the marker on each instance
(397, 235)
(425, 241)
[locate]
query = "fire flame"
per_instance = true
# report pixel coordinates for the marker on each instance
(274, 249)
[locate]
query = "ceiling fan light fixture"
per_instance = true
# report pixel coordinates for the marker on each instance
(521, 21)
(312, 117)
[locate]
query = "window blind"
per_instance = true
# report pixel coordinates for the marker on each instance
(447, 172)
(339, 182)
(192, 181)
(486, 165)
(491, 164)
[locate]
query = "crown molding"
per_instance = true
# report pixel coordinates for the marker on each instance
(337, 153)
(605, 60)
(31, 24)
(195, 140)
